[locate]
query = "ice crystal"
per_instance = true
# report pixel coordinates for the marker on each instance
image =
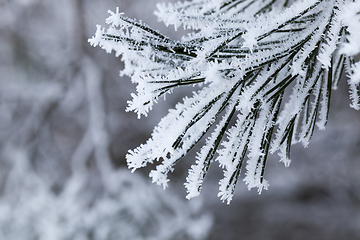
(244, 55)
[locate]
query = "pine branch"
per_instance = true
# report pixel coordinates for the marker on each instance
(246, 56)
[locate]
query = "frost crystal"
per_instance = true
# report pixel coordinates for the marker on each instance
(244, 55)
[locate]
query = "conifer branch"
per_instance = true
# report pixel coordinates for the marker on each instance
(246, 56)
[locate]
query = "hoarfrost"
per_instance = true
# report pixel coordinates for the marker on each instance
(245, 56)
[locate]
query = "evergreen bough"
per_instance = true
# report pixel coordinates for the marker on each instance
(246, 56)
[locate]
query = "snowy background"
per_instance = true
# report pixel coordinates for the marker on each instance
(64, 134)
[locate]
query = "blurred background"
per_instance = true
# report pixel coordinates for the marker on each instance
(64, 134)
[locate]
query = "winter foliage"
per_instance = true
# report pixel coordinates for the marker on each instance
(265, 70)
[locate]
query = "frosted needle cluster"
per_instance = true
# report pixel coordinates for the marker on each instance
(265, 70)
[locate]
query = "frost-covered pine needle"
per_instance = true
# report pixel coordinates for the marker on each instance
(245, 55)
